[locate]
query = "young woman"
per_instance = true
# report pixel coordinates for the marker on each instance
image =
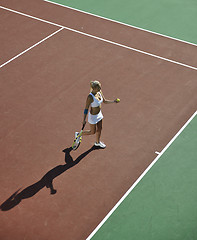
(95, 116)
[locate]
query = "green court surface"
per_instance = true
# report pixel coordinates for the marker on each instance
(163, 204)
(175, 18)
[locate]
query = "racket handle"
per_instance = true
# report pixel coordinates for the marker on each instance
(83, 126)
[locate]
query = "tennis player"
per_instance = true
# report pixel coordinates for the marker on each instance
(95, 116)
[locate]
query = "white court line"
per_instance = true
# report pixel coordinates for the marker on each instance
(140, 178)
(29, 16)
(104, 40)
(31, 47)
(115, 21)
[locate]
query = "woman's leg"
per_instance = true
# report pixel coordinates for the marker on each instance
(91, 131)
(98, 131)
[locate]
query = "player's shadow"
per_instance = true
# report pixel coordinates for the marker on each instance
(45, 181)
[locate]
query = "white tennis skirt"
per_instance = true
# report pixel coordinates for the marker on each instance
(94, 119)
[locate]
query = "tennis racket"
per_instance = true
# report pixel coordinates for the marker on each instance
(77, 140)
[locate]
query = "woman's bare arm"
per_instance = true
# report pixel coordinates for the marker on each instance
(88, 102)
(106, 101)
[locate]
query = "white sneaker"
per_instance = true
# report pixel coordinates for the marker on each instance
(100, 144)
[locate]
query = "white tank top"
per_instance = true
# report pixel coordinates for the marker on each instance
(96, 102)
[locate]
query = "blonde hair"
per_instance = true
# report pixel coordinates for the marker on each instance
(94, 84)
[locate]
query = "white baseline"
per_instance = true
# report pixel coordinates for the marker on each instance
(102, 39)
(124, 24)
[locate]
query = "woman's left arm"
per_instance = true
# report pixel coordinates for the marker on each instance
(106, 101)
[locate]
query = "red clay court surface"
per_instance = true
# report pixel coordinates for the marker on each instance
(44, 92)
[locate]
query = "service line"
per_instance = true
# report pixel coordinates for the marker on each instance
(104, 40)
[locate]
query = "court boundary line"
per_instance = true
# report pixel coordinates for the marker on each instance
(140, 178)
(28, 49)
(27, 15)
(121, 23)
(102, 39)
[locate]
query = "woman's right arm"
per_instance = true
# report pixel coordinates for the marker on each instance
(88, 102)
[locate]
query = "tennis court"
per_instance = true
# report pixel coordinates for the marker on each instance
(143, 184)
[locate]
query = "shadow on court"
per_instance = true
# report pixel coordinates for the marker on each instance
(45, 181)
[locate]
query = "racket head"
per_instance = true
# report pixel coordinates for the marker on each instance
(75, 146)
(76, 143)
